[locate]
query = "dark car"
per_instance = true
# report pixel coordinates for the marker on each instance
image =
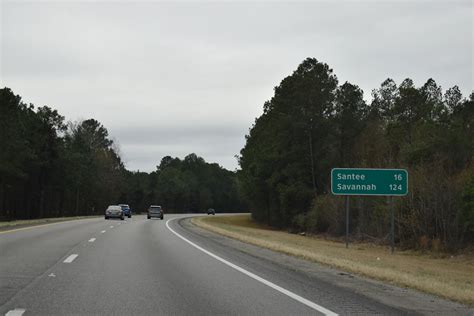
(126, 210)
(114, 211)
(211, 211)
(155, 211)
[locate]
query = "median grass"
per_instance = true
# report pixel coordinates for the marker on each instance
(8, 225)
(447, 276)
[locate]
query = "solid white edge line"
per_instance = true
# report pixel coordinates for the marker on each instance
(92, 240)
(288, 293)
(70, 258)
(16, 312)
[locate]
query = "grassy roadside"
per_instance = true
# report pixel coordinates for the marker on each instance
(449, 277)
(10, 225)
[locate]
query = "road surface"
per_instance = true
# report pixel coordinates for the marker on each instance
(169, 267)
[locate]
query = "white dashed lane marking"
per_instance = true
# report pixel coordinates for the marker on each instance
(70, 258)
(102, 231)
(16, 312)
(92, 240)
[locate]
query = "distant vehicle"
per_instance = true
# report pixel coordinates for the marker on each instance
(114, 211)
(126, 210)
(155, 211)
(211, 211)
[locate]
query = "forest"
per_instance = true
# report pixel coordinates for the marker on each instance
(53, 168)
(313, 124)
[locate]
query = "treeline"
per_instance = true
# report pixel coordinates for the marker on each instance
(49, 168)
(184, 186)
(313, 124)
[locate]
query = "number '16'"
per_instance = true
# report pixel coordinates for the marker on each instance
(398, 177)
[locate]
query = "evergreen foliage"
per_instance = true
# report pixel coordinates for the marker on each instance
(312, 124)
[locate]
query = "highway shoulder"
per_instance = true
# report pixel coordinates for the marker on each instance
(310, 276)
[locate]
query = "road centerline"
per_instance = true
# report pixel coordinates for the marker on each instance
(272, 285)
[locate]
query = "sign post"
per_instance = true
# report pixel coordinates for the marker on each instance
(370, 182)
(347, 221)
(392, 226)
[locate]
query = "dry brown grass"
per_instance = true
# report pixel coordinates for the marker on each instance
(451, 277)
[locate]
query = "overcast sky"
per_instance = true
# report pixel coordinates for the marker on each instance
(175, 78)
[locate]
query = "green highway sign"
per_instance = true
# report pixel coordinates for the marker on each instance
(354, 181)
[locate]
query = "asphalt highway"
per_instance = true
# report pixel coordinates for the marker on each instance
(167, 267)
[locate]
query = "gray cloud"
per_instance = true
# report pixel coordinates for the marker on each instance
(174, 78)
